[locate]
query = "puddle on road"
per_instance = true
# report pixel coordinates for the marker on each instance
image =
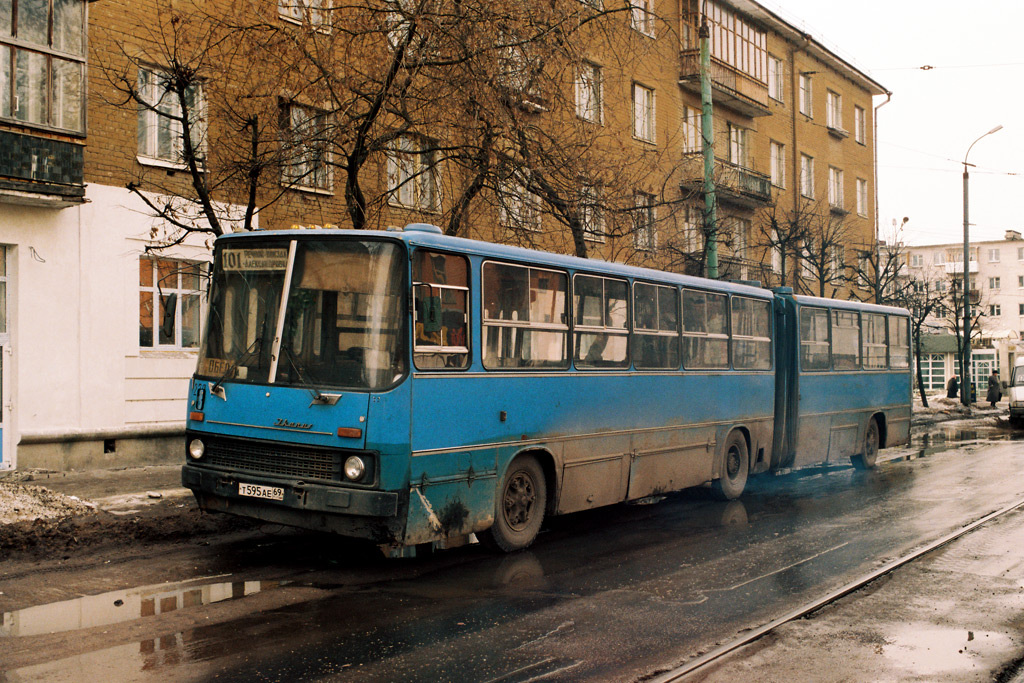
(952, 437)
(124, 605)
(932, 650)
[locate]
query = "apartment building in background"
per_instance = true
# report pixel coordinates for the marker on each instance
(996, 273)
(102, 295)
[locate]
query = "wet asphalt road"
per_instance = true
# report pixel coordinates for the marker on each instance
(609, 595)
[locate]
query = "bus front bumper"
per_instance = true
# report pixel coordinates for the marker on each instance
(351, 512)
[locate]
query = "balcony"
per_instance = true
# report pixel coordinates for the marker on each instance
(733, 184)
(957, 267)
(730, 87)
(37, 171)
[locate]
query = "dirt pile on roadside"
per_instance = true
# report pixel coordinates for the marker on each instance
(20, 502)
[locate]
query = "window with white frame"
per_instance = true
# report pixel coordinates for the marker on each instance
(691, 131)
(807, 176)
(740, 236)
(862, 197)
(305, 158)
(916, 260)
(589, 90)
(412, 175)
(993, 255)
(806, 95)
(995, 309)
(693, 229)
(775, 78)
(1020, 253)
(836, 260)
(591, 216)
(644, 235)
(161, 119)
(170, 303)
(42, 63)
(994, 283)
(776, 248)
(778, 164)
(835, 187)
(939, 258)
(641, 16)
(643, 112)
(519, 208)
(860, 125)
(806, 252)
(1020, 280)
(311, 12)
(834, 110)
(739, 146)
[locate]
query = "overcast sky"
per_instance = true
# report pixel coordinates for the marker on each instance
(976, 83)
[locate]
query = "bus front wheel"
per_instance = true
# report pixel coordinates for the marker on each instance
(865, 460)
(519, 508)
(735, 465)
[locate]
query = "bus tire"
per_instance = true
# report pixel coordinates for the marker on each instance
(735, 466)
(519, 507)
(865, 460)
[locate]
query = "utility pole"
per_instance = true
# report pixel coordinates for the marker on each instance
(708, 138)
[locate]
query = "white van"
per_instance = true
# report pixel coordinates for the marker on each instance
(1016, 393)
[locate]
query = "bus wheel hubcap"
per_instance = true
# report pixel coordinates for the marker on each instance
(732, 464)
(519, 497)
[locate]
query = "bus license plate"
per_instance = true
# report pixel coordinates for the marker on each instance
(257, 491)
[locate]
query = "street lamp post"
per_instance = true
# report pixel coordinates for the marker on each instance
(965, 356)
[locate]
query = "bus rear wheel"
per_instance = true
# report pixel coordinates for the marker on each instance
(865, 460)
(519, 508)
(735, 466)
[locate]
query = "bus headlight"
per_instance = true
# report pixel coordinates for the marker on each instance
(355, 468)
(196, 449)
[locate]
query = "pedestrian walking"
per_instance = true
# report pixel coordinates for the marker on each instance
(995, 392)
(952, 386)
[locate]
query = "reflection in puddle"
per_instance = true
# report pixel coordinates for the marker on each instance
(124, 605)
(927, 650)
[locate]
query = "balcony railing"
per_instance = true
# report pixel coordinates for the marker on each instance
(40, 171)
(731, 87)
(733, 183)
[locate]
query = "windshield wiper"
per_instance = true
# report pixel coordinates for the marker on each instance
(216, 388)
(318, 396)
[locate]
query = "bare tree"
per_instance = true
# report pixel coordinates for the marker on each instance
(822, 254)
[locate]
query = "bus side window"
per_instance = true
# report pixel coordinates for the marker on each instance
(874, 341)
(899, 342)
(601, 338)
(440, 292)
(814, 346)
(524, 317)
(845, 340)
(655, 327)
(751, 334)
(705, 330)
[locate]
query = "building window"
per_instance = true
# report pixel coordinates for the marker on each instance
(412, 176)
(862, 197)
(644, 236)
(1020, 280)
(836, 261)
(776, 248)
(170, 303)
(519, 208)
(993, 255)
(643, 113)
(860, 125)
(775, 78)
(835, 187)
(938, 258)
(807, 176)
(734, 40)
(778, 164)
(305, 159)
(312, 12)
(805, 96)
(741, 231)
(916, 260)
(693, 229)
(1020, 309)
(1020, 253)
(641, 16)
(591, 217)
(834, 110)
(691, 131)
(933, 371)
(995, 309)
(739, 146)
(42, 63)
(993, 283)
(588, 93)
(161, 134)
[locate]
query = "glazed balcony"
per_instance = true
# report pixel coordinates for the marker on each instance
(38, 171)
(730, 87)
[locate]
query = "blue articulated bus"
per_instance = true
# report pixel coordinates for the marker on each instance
(409, 387)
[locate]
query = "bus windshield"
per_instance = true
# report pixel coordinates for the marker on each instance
(343, 323)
